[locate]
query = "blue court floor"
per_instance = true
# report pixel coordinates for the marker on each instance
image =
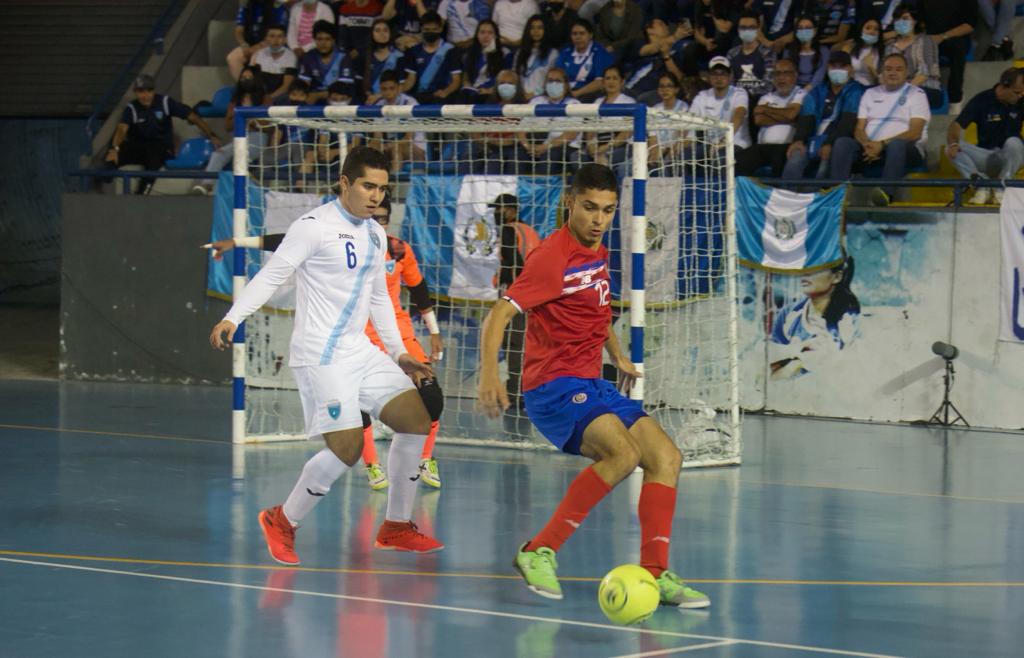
(124, 533)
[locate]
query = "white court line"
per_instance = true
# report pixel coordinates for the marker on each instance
(689, 647)
(448, 608)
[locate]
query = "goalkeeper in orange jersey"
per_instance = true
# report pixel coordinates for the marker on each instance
(401, 267)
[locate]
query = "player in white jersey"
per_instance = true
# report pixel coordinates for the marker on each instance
(337, 257)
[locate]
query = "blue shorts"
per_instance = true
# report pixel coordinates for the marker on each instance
(562, 408)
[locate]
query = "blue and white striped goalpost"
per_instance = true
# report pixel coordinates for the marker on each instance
(603, 118)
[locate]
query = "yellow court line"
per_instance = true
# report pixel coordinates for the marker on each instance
(120, 435)
(697, 474)
(495, 576)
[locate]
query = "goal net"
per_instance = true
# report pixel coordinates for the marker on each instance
(456, 172)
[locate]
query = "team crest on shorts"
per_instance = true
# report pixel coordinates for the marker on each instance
(334, 409)
(579, 398)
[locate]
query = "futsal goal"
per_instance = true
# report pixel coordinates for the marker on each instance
(672, 248)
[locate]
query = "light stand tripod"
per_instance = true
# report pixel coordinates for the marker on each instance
(942, 414)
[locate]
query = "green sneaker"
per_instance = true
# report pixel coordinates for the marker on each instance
(675, 592)
(429, 474)
(538, 570)
(375, 476)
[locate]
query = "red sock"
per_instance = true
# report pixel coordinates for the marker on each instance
(428, 447)
(585, 491)
(369, 447)
(657, 507)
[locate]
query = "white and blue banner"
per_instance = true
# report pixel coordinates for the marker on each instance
(787, 231)
(457, 240)
(1011, 303)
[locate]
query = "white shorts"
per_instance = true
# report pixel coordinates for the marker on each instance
(333, 396)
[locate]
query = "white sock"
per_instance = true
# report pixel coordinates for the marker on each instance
(318, 475)
(404, 474)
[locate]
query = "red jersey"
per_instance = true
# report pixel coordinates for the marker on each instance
(566, 288)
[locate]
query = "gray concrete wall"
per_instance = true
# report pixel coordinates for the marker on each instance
(133, 290)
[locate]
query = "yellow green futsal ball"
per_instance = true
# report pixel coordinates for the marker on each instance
(628, 594)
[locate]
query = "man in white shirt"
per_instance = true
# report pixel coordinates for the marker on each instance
(401, 147)
(776, 114)
(511, 17)
(892, 128)
(336, 254)
(725, 102)
(461, 18)
(277, 63)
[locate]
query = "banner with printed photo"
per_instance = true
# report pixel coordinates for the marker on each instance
(1011, 304)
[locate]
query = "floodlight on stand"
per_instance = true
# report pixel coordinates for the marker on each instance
(947, 414)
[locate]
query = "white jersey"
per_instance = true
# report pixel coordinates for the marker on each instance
(888, 113)
(338, 262)
(780, 133)
(707, 104)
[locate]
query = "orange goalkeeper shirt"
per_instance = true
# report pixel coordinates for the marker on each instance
(401, 267)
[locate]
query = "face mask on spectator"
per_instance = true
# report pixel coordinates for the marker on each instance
(838, 76)
(805, 35)
(903, 27)
(555, 89)
(277, 50)
(507, 91)
(553, 7)
(310, 3)
(491, 47)
(748, 36)
(869, 39)
(337, 103)
(431, 37)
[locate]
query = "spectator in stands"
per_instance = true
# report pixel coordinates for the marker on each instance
(536, 55)
(776, 18)
(752, 62)
(302, 17)
(400, 147)
(324, 157)
(145, 134)
(433, 69)
(883, 11)
(249, 92)
(724, 102)
(482, 62)
(999, 113)
(553, 153)
(714, 30)
(833, 18)
(661, 52)
(355, 23)
(810, 56)
(950, 24)
(558, 19)
(617, 26)
(461, 18)
(383, 56)
(612, 149)
(584, 62)
(277, 64)
(920, 52)
(892, 128)
(665, 144)
(498, 151)
(405, 15)
(251, 23)
(828, 112)
(776, 115)
(511, 17)
(325, 64)
(866, 52)
(998, 15)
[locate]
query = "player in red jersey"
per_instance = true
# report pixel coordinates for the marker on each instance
(401, 267)
(565, 288)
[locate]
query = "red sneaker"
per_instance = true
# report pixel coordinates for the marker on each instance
(280, 535)
(399, 536)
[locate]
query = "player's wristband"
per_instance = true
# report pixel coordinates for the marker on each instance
(250, 242)
(431, 320)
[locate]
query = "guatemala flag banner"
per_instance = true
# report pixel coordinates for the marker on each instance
(457, 240)
(788, 231)
(1011, 303)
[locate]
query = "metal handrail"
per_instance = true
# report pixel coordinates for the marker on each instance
(154, 38)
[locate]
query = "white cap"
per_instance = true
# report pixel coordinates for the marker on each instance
(719, 61)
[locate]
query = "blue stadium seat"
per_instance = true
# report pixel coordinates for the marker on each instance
(193, 154)
(944, 108)
(218, 106)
